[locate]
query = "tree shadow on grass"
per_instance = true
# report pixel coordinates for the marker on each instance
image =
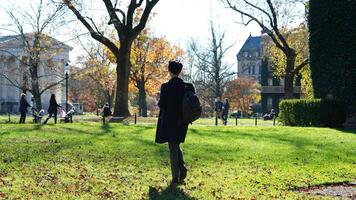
(141, 129)
(106, 128)
(76, 130)
(171, 193)
(301, 143)
(298, 141)
(37, 127)
(352, 131)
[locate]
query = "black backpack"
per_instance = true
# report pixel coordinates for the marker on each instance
(107, 111)
(191, 108)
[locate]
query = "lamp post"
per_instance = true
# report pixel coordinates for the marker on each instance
(66, 71)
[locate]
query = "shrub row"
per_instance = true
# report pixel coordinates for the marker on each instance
(314, 112)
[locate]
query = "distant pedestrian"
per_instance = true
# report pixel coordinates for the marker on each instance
(24, 105)
(52, 109)
(225, 111)
(171, 128)
(218, 107)
(106, 111)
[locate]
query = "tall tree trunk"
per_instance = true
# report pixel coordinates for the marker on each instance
(121, 108)
(289, 78)
(35, 86)
(37, 99)
(108, 97)
(36, 94)
(142, 98)
(218, 88)
(111, 97)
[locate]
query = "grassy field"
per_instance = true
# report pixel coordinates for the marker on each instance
(92, 161)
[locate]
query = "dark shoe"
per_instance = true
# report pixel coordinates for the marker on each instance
(183, 174)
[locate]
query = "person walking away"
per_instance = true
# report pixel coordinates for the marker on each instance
(106, 111)
(218, 107)
(52, 109)
(170, 127)
(24, 105)
(225, 111)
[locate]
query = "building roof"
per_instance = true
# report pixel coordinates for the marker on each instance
(11, 37)
(252, 42)
(7, 37)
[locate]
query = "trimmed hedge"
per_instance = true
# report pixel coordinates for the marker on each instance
(332, 40)
(313, 112)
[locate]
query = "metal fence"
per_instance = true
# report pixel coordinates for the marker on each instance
(135, 119)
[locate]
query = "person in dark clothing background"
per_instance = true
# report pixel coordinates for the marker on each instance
(52, 109)
(218, 108)
(225, 111)
(23, 108)
(106, 111)
(170, 126)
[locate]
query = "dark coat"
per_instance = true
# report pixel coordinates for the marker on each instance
(226, 107)
(218, 106)
(170, 127)
(106, 111)
(23, 105)
(53, 106)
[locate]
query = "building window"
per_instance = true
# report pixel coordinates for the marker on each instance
(253, 70)
(257, 54)
(249, 70)
(245, 54)
(270, 82)
(269, 103)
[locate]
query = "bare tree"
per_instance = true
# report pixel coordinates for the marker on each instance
(268, 15)
(211, 71)
(127, 31)
(38, 48)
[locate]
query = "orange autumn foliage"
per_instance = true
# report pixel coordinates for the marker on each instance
(243, 93)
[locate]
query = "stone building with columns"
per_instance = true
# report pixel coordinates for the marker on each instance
(14, 72)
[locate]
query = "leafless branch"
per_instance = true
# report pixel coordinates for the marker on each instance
(301, 65)
(14, 83)
(97, 36)
(51, 86)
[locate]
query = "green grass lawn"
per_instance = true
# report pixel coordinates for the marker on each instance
(91, 161)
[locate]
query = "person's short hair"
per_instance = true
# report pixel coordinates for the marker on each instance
(175, 67)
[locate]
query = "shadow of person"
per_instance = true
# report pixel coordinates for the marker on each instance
(171, 193)
(106, 128)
